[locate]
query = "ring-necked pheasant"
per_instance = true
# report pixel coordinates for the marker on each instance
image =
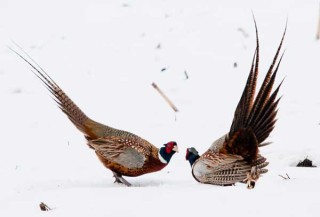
(124, 153)
(235, 156)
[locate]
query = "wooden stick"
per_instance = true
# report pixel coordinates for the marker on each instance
(318, 32)
(165, 97)
(283, 177)
(288, 177)
(186, 74)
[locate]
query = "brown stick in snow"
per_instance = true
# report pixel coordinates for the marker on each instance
(165, 97)
(288, 177)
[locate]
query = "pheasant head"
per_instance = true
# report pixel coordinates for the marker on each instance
(167, 151)
(192, 155)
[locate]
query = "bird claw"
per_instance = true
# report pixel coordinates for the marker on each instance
(252, 177)
(120, 179)
(117, 180)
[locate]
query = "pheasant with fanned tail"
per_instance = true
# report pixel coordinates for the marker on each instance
(124, 153)
(235, 156)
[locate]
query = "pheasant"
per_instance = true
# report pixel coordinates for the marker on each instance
(235, 156)
(124, 153)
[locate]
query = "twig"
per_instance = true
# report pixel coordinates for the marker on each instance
(165, 97)
(288, 177)
(244, 33)
(283, 177)
(186, 74)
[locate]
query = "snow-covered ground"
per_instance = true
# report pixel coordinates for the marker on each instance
(105, 55)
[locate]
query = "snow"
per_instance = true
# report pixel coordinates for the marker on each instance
(104, 55)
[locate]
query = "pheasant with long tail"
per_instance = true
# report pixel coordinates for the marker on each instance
(235, 156)
(124, 153)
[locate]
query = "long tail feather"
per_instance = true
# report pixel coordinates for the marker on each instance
(255, 118)
(258, 114)
(74, 113)
(266, 80)
(247, 99)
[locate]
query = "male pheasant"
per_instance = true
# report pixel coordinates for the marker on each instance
(124, 153)
(235, 156)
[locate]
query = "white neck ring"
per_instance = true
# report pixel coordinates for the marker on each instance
(162, 159)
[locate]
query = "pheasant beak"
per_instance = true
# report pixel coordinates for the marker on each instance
(175, 148)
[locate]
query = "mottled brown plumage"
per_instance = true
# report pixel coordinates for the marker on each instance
(124, 153)
(235, 156)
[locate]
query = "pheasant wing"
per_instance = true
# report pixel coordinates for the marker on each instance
(126, 152)
(225, 169)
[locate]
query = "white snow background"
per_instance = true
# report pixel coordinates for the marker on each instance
(105, 55)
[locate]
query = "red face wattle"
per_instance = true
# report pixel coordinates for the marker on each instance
(171, 146)
(187, 154)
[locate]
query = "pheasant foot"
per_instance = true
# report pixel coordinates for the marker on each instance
(120, 179)
(252, 177)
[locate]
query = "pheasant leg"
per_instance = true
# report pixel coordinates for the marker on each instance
(252, 177)
(120, 179)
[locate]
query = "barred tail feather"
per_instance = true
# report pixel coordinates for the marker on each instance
(74, 113)
(246, 102)
(259, 114)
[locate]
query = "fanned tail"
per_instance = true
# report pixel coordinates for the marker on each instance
(258, 114)
(255, 118)
(246, 101)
